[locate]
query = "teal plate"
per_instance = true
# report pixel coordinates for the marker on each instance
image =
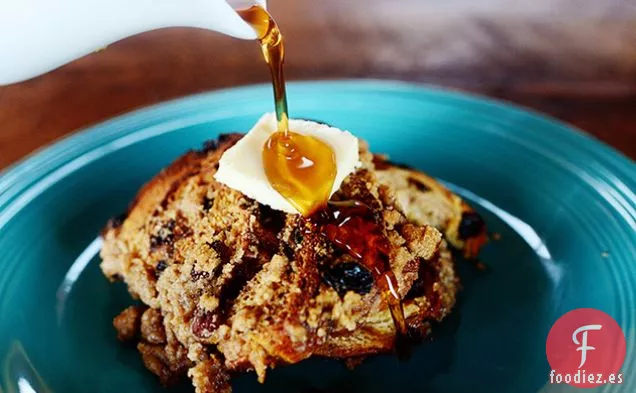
(562, 202)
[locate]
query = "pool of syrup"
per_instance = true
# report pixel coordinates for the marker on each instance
(301, 168)
(352, 226)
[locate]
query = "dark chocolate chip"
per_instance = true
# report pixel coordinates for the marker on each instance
(348, 276)
(471, 225)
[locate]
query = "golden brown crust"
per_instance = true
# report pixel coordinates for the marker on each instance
(233, 276)
(209, 376)
(151, 329)
(127, 323)
(425, 201)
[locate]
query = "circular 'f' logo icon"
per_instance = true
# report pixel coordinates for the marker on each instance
(585, 348)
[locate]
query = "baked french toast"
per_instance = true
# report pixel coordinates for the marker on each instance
(230, 285)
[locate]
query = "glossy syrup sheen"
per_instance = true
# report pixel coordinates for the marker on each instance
(351, 226)
(301, 168)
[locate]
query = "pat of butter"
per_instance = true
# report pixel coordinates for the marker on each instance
(241, 166)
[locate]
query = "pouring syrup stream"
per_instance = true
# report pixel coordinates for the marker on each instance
(273, 49)
(303, 169)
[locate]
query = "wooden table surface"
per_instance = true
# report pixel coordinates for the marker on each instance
(573, 59)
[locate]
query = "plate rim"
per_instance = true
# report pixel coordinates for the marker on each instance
(18, 177)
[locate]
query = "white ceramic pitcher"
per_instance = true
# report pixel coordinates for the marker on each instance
(37, 36)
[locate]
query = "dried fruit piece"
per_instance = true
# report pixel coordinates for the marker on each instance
(161, 266)
(471, 225)
(349, 276)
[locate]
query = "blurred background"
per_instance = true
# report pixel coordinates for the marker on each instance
(573, 59)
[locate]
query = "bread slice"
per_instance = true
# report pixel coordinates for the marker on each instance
(426, 201)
